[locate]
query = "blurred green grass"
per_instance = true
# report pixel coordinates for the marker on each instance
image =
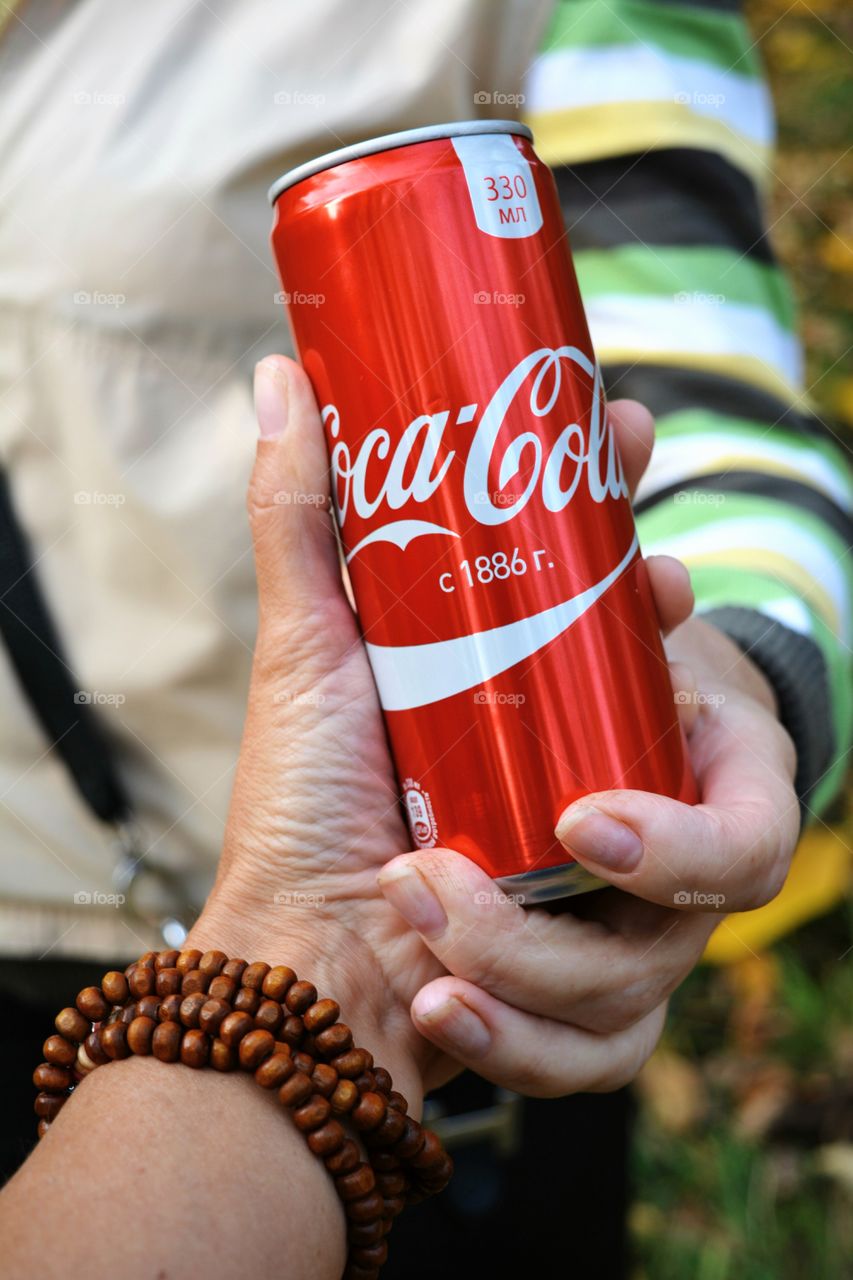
(743, 1164)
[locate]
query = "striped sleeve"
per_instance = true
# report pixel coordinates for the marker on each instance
(657, 124)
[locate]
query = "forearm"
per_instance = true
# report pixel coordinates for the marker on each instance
(155, 1169)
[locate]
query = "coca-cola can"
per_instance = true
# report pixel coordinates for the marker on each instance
(484, 517)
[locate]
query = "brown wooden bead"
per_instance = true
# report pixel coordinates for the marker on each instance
(277, 982)
(302, 1061)
(234, 1027)
(125, 1013)
(223, 988)
(309, 1046)
(344, 1097)
(300, 997)
(54, 1079)
(374, 1255)
(191, 1007)
(195, 981)
(393, 1206)
(334, 1040)
(235, 969)
(212, 962)
(43, 1127)
(368, 1059)
(223, 1057)
(321, 1014)
(212, 1014)
(365, 1083)
(292, 1031)
(430, 1154)
(92, 1004)
(269, 1016)
(148, 1007)
(187, 961)
(94, 1052)
(140, 1034)
(114, 1041)
(365, 1209)
(170, 1008)
(325, 1079)
(328, 1139)
(345, 1160)
(195, 1048)
(247, 1000)
(254, 1047)
(349, 1064)
(435, 1179)
(71, 1024)
(312, 1114)
(166, 960)
(295, 1091)
(369, 1112)
(365, 1233)
(281, 1047)
(166, 1041)
(390, 1131)
(382, 1080)
(148, 960)
(254, 974)
(142, 982)
(273, 1072)
(352, 1186)
(114, 986)
(411, 1141)
(391, 1184)
(59, 1051)
(397, 1101)
(49, 1105)
(384, 1162)
(168, 982)
(130, 968)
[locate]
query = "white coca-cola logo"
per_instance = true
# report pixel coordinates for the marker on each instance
(574, 459)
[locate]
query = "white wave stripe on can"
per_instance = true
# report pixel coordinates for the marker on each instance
(415, 675)
(723, 451)
(566, 79)
(775, 537)
(650, 325)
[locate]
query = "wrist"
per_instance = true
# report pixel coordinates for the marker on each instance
(332, 957)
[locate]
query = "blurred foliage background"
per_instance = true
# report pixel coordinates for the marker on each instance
(743, 1168)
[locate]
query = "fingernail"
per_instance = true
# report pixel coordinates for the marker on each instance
(599, 838)
(408, 892)
(271, 399)
(454, 1023)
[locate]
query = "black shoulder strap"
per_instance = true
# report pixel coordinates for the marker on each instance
(35, 650)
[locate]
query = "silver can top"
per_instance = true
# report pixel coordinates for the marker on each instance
(388, 142)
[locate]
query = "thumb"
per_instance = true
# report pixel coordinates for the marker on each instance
(296, 555)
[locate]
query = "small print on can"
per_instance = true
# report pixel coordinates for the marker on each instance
(482, 506)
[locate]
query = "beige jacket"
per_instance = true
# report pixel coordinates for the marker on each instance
(136, 293)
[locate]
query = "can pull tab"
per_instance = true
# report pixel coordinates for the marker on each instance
(152, 894)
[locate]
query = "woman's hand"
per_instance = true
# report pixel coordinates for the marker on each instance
(443, 970)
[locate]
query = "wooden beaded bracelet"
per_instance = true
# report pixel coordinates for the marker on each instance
(207, 1010)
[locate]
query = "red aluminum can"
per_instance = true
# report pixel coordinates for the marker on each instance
(483, 512)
